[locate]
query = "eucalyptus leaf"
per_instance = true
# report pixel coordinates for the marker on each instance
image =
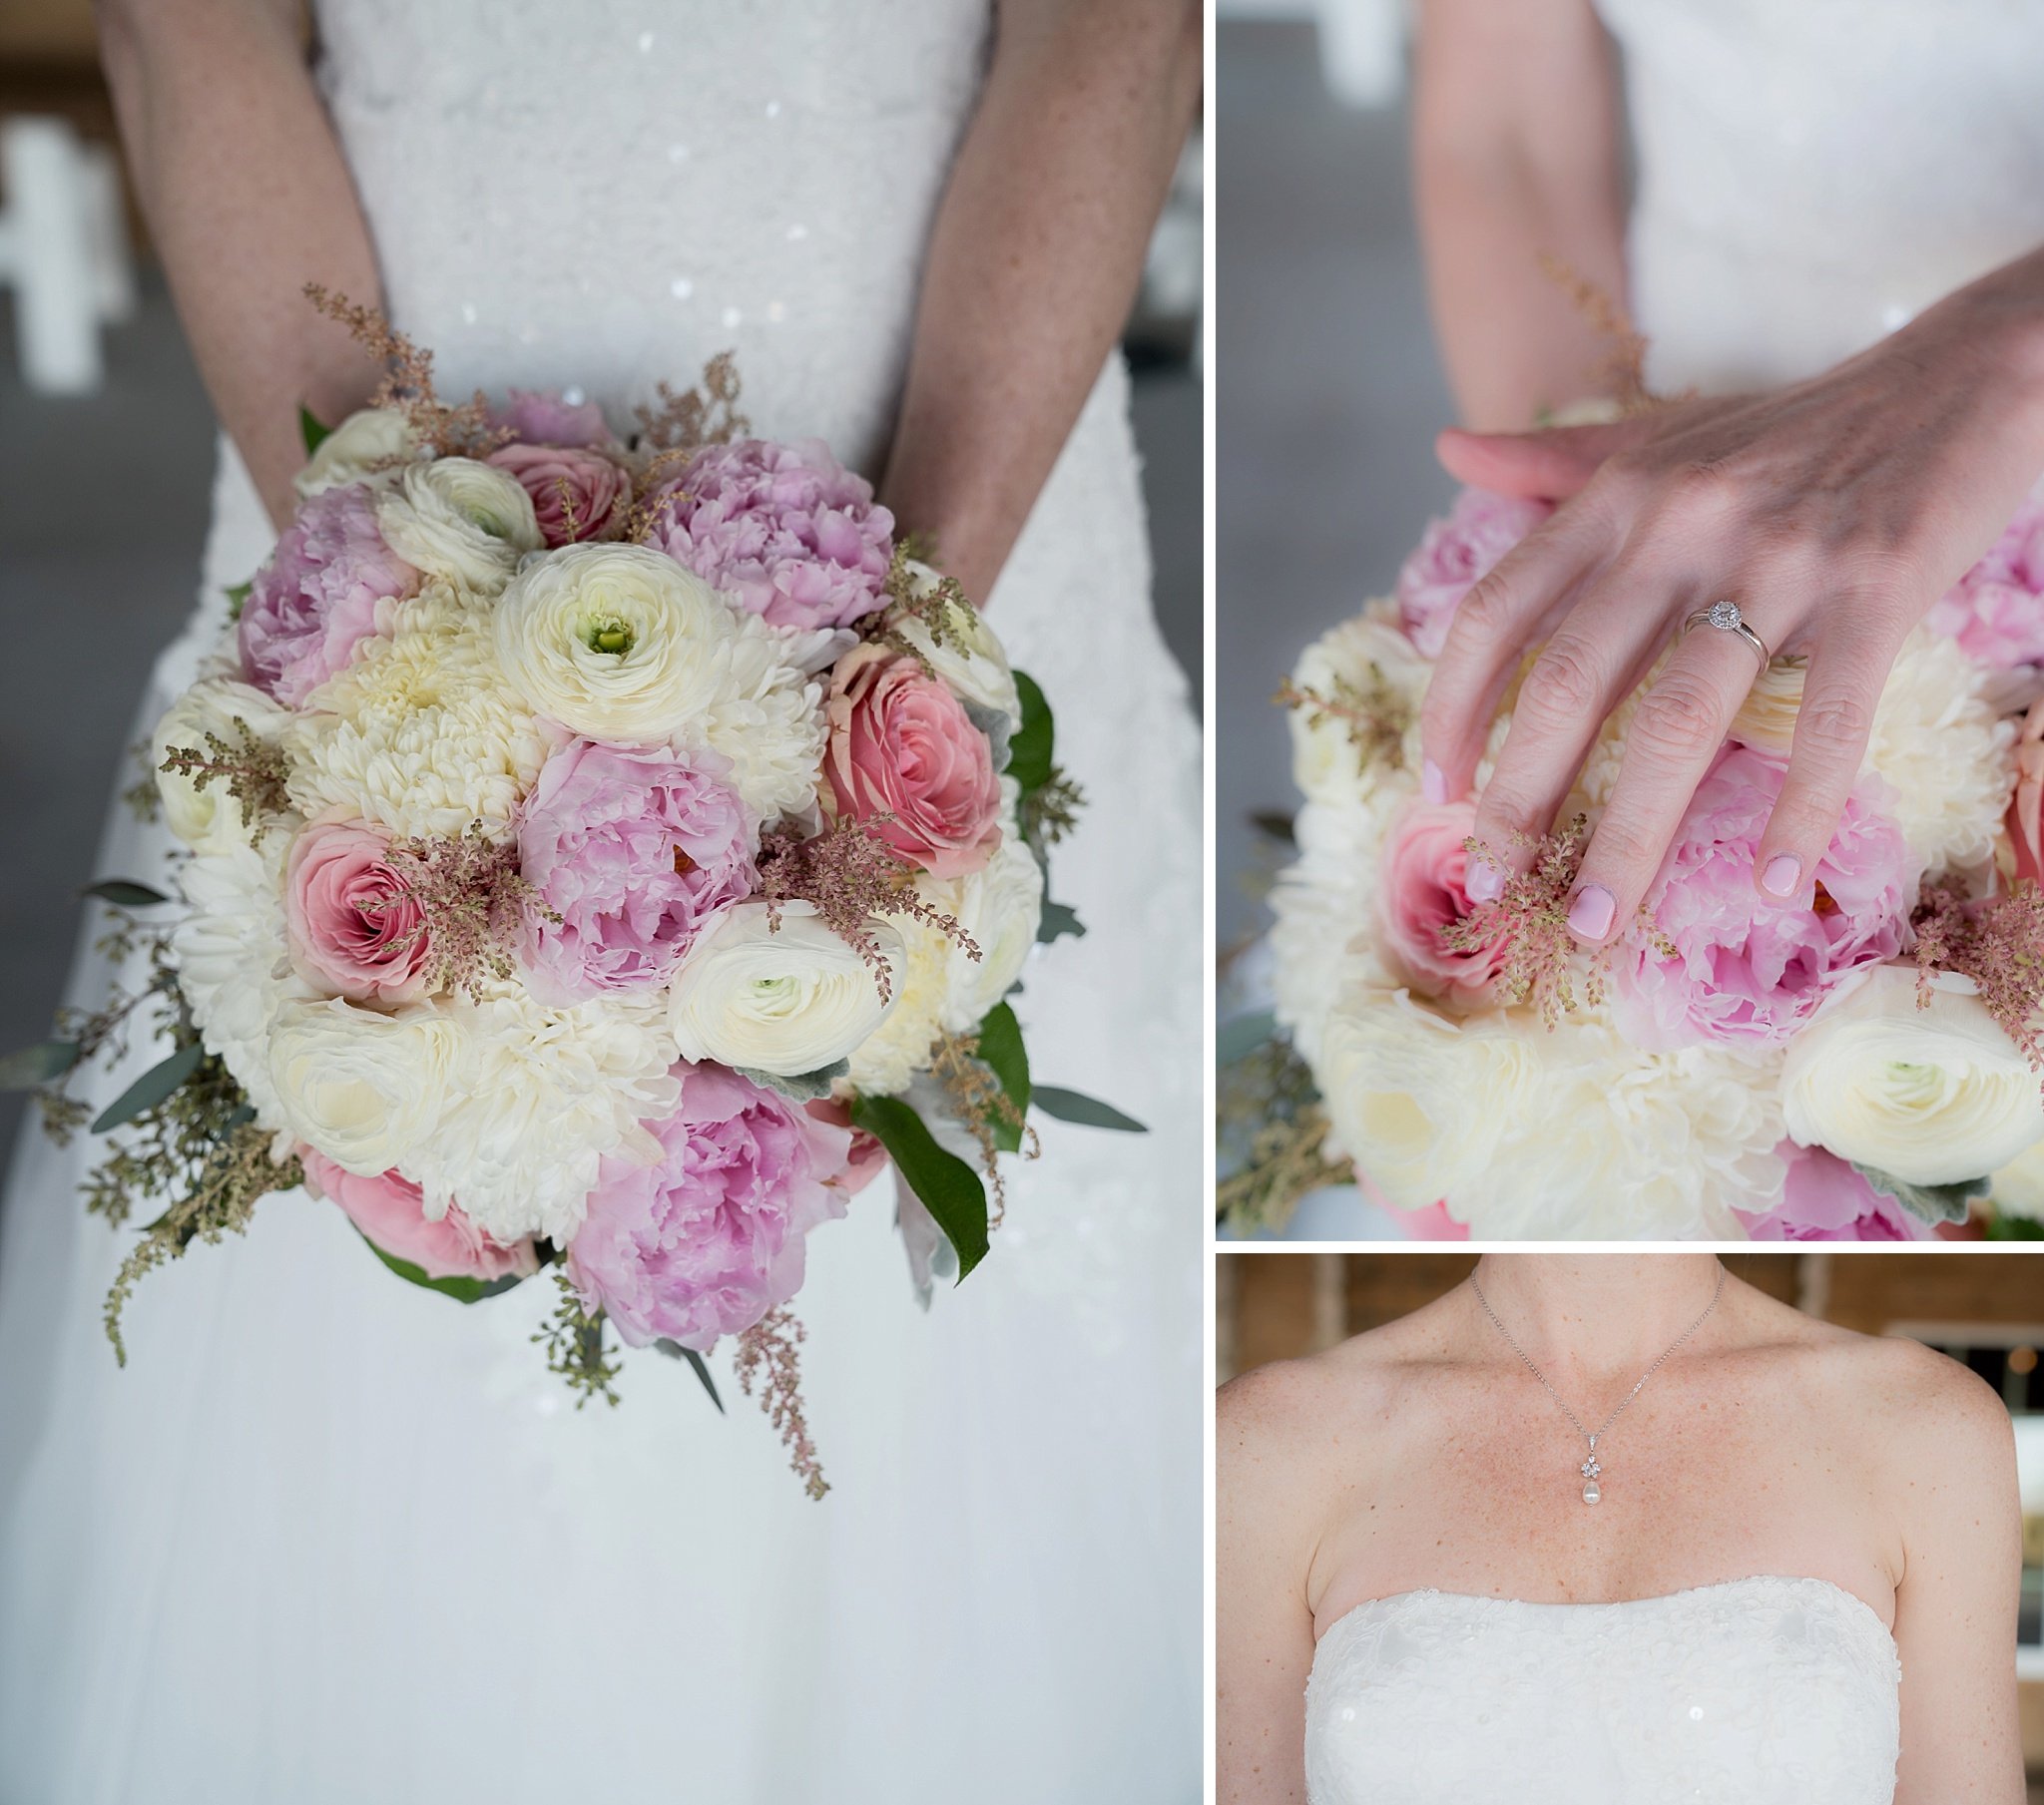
(151, 1088)
(944, 1185)
(1057, 920)
(462, 1289)
(1000, 1046)
(125, 892)
(1274, 824)
(807, 1087)
(237, 597)
(1031, 749)
(1240, 1035)
(674, 1351)
(1931, 1203)
(1087, 1112)
(310, 430)
(999, 727)
(37, 1065)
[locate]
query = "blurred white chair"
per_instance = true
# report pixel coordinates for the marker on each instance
(63, 249)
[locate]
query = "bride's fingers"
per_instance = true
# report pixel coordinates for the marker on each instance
(1675, 732)
(1839, 694)
(1549, 465)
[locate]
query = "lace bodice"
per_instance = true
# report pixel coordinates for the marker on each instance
(1755, 1692)
(1812, 174)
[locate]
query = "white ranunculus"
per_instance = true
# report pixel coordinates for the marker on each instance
(1929, 1095)
(367, 1089)
(768, 722)
(619, 642)
(789, 1000)
(422, 733)
(887, 1059)
(972, 662)
(2019, 1185)
(371, 447)
(210, 819)
(1349, 659)
(456, 518)
(1000, 907)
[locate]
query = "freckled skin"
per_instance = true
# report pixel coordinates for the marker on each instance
(1424, 1454)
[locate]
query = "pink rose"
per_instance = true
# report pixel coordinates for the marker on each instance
(354, 924)
(867, 1158)
(1422, 891)
(902, 747)
(320, 596)
(1454, 552)
(392, 1213)
(2026, 807)
(711, 1238)
(543, 417)
(1747, 968)
(785, 529)
(575, 494)
(1996, 610)
(637, 852)
(1824, 1199)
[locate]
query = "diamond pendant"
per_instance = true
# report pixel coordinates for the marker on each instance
(1590, 1469)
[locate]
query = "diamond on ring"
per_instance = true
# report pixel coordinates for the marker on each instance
(1723, 615)
(1727, 615)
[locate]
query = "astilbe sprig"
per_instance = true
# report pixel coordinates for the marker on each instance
(982, 1106)
(1376, 711)
(576, 1346)
(912, 595)
(257, 773)
(1051, 810)
(1996, 941)
(461, 430)
(770, 1358)
(472, 902)
(1271, 1130)
(849, 875)
(685, 420)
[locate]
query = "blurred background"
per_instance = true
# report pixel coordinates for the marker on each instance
(1984, 1310)
(106, 466)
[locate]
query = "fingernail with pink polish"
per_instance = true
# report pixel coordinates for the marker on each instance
(1590, 914)
(1483, 880)
(1432, 785)
(1781, 874)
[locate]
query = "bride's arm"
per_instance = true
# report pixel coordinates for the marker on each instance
(1514, 153)
(246, 196)
(1955, 1606)
(1035, 257)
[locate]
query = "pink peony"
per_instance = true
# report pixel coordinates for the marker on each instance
(1996, 610)
(1479, 530)
(867, 1158)
(905, 758)
(787, 529)
(2026, 808)
(711, 1238)
(1824, 1199)
(1747, 968)
(635, 850)
(390, 1212)
(543, 417)
(575, 494)
(1422, 891)
(320, 596)
(354, 925)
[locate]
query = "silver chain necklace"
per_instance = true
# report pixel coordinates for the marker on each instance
(1590, 1468)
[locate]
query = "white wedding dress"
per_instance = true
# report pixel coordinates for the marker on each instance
(331, 1539)
(1755, 1692)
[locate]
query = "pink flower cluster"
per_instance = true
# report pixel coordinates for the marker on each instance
(390, 1211)
(1996, 610)
(1454, 554)
(1824, 1199)
(787, 529)
(1424, 890)
(318, 597)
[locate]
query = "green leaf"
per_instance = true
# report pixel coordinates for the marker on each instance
(37, 1065)
(1274, 824)
(1087, 1112)
(806, 1087)
(461, 1289)
(238, 597)
(151, 1088)
(129, 895)
(311, 431)
(1057, 920)
(1931, 1203)
(2002, 1228)
(1031, 748)
(1000, 1046)
(674, 1351)
(949, 1188)
(1240, 1035)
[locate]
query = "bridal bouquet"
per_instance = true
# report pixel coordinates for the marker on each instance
(1862, 1064)
(603, 854)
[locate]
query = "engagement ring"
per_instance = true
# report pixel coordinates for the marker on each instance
(1725, 616)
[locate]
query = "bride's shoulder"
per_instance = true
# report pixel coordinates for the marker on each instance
(1293, 1405)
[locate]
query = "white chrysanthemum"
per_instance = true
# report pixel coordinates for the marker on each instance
(367, 447)
(887, 1061)
(1357, 658)
(420, 733)
(1000, 908)
(790, 999)
(539, 1095)
(1929, 1096)
(366, 1088)
(210, 819)
(232, 965)
(1527, 1135)
(1326, 907)
(456, 518)
(972, 662)
(768, 722)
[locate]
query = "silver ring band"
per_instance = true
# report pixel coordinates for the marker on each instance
(1723, 615)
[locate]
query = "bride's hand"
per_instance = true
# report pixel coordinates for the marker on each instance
(1833, 513)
